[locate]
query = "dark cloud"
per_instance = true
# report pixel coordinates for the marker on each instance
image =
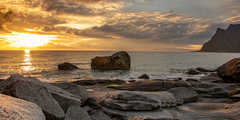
(5, 17)
(67, 7)
(158, 28)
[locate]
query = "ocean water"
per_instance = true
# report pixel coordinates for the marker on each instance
(159, 65)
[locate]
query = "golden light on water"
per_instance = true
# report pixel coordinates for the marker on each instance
(27, 64)
(27, 40)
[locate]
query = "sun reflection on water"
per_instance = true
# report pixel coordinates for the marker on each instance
(27, 64)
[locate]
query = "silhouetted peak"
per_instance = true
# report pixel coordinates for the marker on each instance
(233, 27)
(220, 30)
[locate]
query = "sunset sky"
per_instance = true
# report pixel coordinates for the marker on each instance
(146, 25)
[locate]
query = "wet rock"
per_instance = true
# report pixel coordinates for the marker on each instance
(144, 76)
(17, 109)
(75, 112)
(118, 61)
(67, 66)
(184, 95)
(152, 85)
(95, 82)
(200, 69)
(99, 115)
(230, 71)
(192, 72)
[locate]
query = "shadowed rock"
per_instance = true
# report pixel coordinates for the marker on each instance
(230, 71)
(144, 76)
(74, 89)
(99, 115)
(95, 82)
(192, 72)
(75, 112)
(17, 109)
(67, 66)
(118, 61)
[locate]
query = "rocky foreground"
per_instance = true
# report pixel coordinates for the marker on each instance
(213, 97)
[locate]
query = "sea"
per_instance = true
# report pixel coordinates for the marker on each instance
(158, 65)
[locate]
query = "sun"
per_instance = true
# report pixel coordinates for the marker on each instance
(27, 40)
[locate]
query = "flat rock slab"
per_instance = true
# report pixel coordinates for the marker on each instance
(184, 95)
(130, 101)
(17, 109)
(139, 101)
(152, 85)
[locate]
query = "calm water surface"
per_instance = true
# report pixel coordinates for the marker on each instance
(43, 64)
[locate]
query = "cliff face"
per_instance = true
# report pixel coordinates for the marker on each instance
(224, 40)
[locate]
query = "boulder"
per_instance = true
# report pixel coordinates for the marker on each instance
(118, 61)
(17, 109)
(75, 112)
(144, 76)
(192, 72)
(53, 100)
(67, 66)
(184, 95)
(77, 90)
(230, 71)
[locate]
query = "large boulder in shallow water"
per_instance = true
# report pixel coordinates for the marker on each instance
(118, 61)
(17, 109)
(67, 66)
(230, 71)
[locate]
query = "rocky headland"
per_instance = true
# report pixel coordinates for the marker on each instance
(224, 40)
(216, 96)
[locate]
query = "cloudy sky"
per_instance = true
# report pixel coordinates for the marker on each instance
(145, 25)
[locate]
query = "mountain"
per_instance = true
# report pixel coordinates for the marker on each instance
(227, 40)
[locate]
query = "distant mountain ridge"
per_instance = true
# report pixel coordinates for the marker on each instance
(227, 40)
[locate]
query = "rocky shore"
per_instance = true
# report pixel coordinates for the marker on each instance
(215, 96)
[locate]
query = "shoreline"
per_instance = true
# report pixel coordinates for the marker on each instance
(174, 99)
(214, 96)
